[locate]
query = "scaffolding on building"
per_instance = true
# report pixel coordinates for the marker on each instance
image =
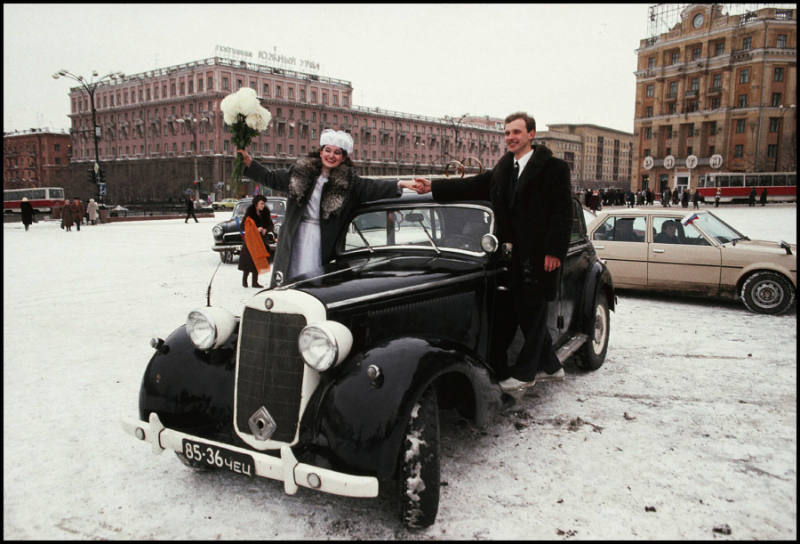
(663, 17)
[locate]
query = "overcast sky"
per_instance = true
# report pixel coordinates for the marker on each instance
(563, 63)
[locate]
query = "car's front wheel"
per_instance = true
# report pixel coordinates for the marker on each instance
(767, 293)
(593, 353)
(418, 472)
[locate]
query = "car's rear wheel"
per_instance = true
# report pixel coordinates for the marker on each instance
(418, 472)
(593, 353)
(767, 293)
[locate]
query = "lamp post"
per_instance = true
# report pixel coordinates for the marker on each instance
(456, 124)
(90, 87)
(780, 132)
(191, 122)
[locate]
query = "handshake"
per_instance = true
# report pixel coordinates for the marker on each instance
(420, 185)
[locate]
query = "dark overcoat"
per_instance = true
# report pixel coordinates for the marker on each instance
(262, 220)
(534, 215)
(341, 196)
(26, 211)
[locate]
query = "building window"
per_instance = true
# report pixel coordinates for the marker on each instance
(742, 102)
(266, 89)
(740, 124)
(646, 152)
(675, 57)
(774, 124)
(183, 88)
(695, 84)
(673, 89)
(650, 91)
(778, 74)
(239, 84)
(324, 98)
(302, 95)
(344, 101)
(696, 52)
(651, 62)
(648, 112)
(772, 150)
(224, 83)
(313, 97)
(719, 48)
(715, 103)
(648, 133)
(776, 100)
(291, 93)
(747, 43)
(689, 150)
(668, 151)
(744, 75)
(210, 82)
(669, 132)
(200, 85)
(711, 150)
(692, 106)
(738, 151)
(781, 43)
(712, 128)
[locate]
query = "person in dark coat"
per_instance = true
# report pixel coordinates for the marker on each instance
(685, 198)
(26, 210)
(751, 200)
(259, 213)
(530, 193)
(77, 212)
(696, 199)
(324, 193)
(66, 216)
(190, 209)
(763, 198)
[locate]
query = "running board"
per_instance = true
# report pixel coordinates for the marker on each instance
(571, 346)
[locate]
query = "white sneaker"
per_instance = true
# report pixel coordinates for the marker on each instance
(543, 376)
(510, 385)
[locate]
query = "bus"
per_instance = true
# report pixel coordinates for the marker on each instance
(736, 186)
(42, 199)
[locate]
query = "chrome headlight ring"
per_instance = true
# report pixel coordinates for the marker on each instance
(325, 344)
(209, 327)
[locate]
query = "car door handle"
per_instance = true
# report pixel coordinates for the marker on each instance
(599, 247)
(658, 251)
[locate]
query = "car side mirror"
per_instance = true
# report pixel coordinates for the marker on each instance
(489, 243)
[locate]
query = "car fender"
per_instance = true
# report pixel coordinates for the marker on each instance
(768, 267)
(190, 389)
(362, 421)
(597, 277)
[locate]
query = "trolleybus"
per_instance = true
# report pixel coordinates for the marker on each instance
(736, 186)
(42, 199)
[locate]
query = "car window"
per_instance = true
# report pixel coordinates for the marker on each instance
(621, 229)
(668, 230)
(451, 227)
(277, 206)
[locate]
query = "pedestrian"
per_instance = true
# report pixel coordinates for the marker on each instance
(91, 210)
(77, 212)
(716, 197)
(763, 198)
(751, 200)
(190, 209)
(665, 198)
(253, 258)
(66, 216)
(696, 199)
(675, 199)
(685, 198)
(324, 192)
(26, 211)
(530, 193)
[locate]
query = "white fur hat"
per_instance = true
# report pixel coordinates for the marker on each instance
(339, 138)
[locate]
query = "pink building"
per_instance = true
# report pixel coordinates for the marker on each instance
(162, 129)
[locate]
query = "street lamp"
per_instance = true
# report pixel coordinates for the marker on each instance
(456, 124)
(780, 132)
(191, 122)
(90, 87)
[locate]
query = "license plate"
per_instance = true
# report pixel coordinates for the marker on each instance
(241, 463)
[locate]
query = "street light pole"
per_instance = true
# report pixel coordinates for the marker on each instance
(456, 126)
(90, 87)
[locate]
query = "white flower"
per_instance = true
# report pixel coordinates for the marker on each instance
(259, 119)
(244, 101)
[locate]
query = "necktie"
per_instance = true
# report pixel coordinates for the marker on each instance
(516, 171)
(512, 187)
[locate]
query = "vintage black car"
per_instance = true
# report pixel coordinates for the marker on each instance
(334, 382)
(228, 234)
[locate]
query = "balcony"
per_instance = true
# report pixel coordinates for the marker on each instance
(714, 91)
(671, 97)
(691, 93)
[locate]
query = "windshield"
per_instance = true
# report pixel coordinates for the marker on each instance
(240, 208)
(435, 227)
(717, 228)
(277, 206)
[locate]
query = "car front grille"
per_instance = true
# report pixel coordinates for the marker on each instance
(270, 370)
(232, 238)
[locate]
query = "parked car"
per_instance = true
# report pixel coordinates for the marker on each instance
(334, 382)
(228, 235)
(706, 257)
(226, 203)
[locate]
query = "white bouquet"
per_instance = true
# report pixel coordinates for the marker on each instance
(246, 118)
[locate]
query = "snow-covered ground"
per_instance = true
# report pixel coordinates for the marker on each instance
(688, 429)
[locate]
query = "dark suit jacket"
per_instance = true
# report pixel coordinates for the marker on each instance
(534, 214)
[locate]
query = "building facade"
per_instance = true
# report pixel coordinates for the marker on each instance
(605, 156)
(716, 84)
(162, 130)
(565, 146)
(36, 158)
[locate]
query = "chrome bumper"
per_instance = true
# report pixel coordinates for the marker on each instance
(284, 468)
(233, 247)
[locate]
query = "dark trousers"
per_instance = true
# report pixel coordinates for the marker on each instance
(190, 213)
(517, 312)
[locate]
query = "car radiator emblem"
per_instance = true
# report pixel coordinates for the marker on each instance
(261, 424)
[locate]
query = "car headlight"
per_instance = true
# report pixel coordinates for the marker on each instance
(323, 345)
(210, 327)
(277, 228)
(217, 231)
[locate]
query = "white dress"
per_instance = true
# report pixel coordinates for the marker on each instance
(306, 247)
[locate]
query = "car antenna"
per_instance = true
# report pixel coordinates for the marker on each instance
(208, 293)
